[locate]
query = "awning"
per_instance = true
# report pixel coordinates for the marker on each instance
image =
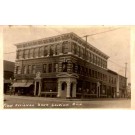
(21, 84)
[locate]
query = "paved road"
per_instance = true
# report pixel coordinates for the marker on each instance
(42, 102)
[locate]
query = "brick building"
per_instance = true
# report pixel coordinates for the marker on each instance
(63, 66)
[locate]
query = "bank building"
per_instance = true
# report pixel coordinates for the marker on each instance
(64, 66)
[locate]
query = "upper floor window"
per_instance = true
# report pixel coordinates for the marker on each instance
(81, 52)
(36, 52)
(44, 68)
(52, 50)
(18, 70)
(29, 69)
(26, 54)
(25, 70)
(50, 68)
(55, 67)
(41, 51)
(45, 51)
(64, 67)
(65, 47)
(31, 53)
(74, 67)
(19, 54)
(33, 69)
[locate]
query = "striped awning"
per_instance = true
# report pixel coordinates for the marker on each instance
(21, 84)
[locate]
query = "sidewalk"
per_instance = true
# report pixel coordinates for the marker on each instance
(60, 99)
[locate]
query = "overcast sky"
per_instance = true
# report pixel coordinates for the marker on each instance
(116, 43)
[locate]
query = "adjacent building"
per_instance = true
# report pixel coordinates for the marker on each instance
(64, 66)
(8, 74)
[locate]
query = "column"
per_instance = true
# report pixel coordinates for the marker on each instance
(59, 89)
(97, 91)
(74, 90)
(68, 89)
(69, 66)
(35, 89)
(39, 91)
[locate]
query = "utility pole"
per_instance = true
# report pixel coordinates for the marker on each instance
(84, 84)
(125, 69)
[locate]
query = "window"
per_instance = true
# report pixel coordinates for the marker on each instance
(18, 70)
(57, 49)
(90, 72)
(44, 68)
(41, 51)
(25, 70)
(78, 69)
(65, 47)
(50, 68)
(52, 50)
(29, 69)
(36, 52)
(26, 54)
(55, 67)
(19, 54)
(33, 69)
(31, 53)
(81, 52)
(74, 67)
(64, 67)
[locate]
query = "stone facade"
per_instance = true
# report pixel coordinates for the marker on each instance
(64, 66)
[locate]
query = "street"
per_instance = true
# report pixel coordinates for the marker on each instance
(19, 102)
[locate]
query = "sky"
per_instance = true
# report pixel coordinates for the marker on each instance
(112, 40)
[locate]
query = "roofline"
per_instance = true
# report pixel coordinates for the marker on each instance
(62, 35)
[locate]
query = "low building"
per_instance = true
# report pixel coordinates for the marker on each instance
(63, 66)
(8, 74)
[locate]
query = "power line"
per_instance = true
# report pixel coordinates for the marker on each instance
(101, 32)
(9, 52)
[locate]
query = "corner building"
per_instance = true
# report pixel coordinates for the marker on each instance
(64, 66)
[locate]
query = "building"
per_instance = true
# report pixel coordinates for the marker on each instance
(63, 66)
(8, 74)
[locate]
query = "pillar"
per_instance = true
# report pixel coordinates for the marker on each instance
(68, 89)
(74, 90)
(59, 89)
(39, 91)
(35, 89)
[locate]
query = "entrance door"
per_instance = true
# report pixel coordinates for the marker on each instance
(64, 90)
(37, 88)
